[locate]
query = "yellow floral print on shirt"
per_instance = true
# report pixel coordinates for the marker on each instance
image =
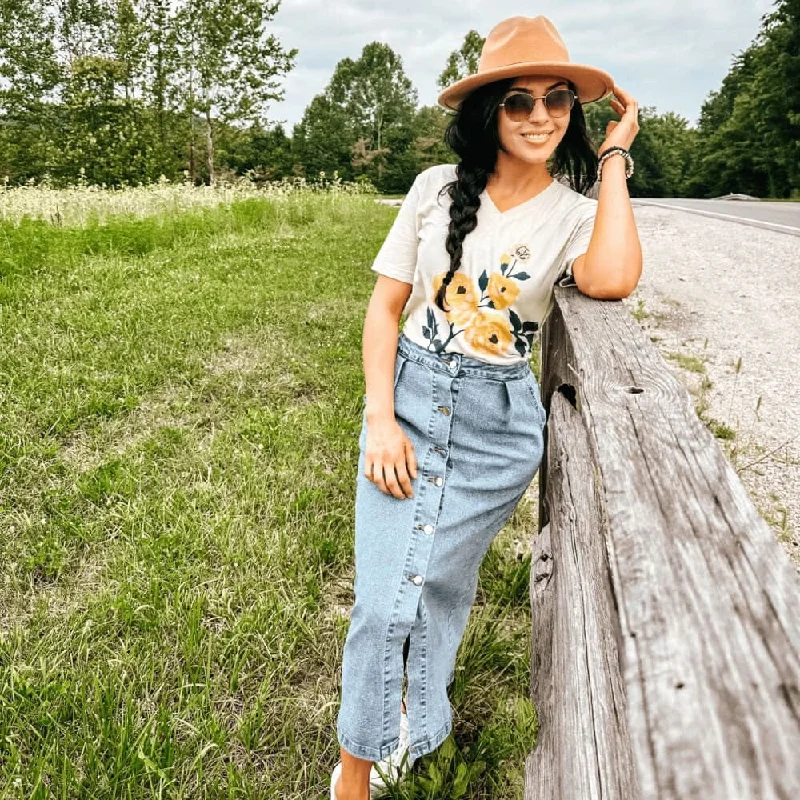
(479, 312)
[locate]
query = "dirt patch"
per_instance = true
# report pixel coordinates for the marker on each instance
(61, 598)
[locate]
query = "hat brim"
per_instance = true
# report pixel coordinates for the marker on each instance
(592, 83)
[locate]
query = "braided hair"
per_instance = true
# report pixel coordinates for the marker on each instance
(473, 136)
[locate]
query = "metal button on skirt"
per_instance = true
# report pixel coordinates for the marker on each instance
(477, 431)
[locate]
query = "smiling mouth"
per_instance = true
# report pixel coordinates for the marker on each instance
(537, 138)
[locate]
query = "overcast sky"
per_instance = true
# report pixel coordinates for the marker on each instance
(667, 53)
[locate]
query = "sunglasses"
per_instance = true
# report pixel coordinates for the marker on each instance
(519, 106)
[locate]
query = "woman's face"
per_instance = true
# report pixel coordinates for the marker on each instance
(512, 134)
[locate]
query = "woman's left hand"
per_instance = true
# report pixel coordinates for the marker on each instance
(622, 133)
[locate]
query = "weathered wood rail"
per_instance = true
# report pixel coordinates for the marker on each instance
(666, 618)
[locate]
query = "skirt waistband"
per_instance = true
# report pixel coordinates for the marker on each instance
(458, 364)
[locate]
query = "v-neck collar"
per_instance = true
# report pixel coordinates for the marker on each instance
(523, 205)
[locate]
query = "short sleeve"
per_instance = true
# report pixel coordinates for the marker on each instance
(578, 242)
(397, 257)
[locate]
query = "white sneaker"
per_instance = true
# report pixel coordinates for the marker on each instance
(337, 771)
(396, 765)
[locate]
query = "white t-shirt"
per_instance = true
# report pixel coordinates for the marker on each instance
(503, 290)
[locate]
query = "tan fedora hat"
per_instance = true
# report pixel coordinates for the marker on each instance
(528, 46)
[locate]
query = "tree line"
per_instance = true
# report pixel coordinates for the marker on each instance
(121, 92)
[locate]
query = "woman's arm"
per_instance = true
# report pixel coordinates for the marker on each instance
(379, 345)
(389, 458)
(613, 263)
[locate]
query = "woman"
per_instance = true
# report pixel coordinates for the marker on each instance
(452, 432)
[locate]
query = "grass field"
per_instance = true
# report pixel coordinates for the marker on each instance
(181, 403)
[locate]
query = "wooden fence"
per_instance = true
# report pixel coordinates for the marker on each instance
(666, 618)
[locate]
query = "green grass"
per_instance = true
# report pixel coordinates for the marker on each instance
(688, 362)
(178, 454)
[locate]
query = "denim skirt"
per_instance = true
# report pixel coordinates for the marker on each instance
(477, 431)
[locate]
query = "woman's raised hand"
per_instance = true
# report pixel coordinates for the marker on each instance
(621, 132)
(389, 458)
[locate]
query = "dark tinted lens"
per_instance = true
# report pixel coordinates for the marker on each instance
(518, 106)
(559, 101)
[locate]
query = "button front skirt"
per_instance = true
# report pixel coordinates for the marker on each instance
(477, 435)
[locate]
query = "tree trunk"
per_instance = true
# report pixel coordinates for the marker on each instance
(191, 146)
(380, 158)
(191, 126)
(210, 143)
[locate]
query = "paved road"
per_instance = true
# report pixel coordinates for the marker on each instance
(783, 217)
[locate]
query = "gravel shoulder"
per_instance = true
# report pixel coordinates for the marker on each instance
(721, 302)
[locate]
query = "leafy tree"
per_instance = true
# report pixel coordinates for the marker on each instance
(749, 130)
(462, 62)
(429, 148)
(662, 152)
(28, 72)
(370, 99)
(715, 171)
(266, 153)
(229, 61)
(362, 154)
(102, 136)
(130, 45)
(775, 93)
(159, 91)
(324, 138)
(398, 172)
(27, 57)
(378, 99)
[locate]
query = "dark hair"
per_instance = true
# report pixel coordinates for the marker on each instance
(472, 135)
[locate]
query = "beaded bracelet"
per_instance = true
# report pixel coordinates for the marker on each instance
(613, 151)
